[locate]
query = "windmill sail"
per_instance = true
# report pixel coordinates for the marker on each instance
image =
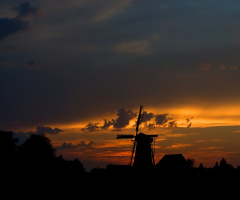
(138, 120)
(125, 136)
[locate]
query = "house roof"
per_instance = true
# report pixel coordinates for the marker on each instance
(172, 161)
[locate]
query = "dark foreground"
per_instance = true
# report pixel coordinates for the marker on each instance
(130, 183)
(33, 171)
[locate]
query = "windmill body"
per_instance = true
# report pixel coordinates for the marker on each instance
(144, 157)
(143, 148)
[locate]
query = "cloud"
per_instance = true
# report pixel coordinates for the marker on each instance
(178, 145)
(210, 148)
(233, 67)
(151, 126)
(172, 124)
(224, 67)
(107, 123)
(124, 117)
(23, 136)
(47, 130)
(164, 79)
(162, 119)
(91, 127)
(82, 145)
(111, 10)
(32, 64)
(7, 63)
(189, 123)
(133, 47)
(25, 10)
(204, 67)
(146, 116)
(9, 26)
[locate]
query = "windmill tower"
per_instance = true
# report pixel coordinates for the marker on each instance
(143, 147)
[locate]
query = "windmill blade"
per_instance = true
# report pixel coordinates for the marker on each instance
(138, 120)
(153, 152)
(125, 136)
(134, 144)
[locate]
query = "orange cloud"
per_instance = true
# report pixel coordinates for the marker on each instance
(178, 145)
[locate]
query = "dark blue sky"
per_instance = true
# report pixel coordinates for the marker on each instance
(72, 61)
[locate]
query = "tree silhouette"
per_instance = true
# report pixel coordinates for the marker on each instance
(216, 165)
(190, 162)
(37, 153)
(224, 165)
(200, 166)
(8, 147)
(35, 160)
(68, 167)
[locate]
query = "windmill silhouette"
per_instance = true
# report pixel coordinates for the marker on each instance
(143, 147)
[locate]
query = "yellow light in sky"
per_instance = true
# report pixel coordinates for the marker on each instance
(204, 116)
(199, 116)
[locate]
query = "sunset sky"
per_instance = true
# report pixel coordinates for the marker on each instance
(78, 70)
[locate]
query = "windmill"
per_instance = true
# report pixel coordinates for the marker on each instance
(143, 147)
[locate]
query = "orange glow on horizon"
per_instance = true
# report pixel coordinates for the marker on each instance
(106, 149)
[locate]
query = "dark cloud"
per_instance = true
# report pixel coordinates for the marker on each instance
(189, 123)
(32, 64)
(145, 119)
(82, 78)
(9, 26)
(91, 127)
(146, 116)
(162, 119)
(24, 10)
(47, 130)
(82, 145)
(23, 136)
(172, 124)
(124, 117)
(151, 126)
(107, 123)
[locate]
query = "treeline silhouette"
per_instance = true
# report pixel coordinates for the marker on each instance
(35, 161)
